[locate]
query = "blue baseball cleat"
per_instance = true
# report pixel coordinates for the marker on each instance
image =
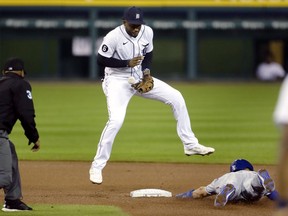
(225, 194)
(268, 182)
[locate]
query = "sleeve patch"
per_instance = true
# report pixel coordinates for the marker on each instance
(29, 94)
(104, 48)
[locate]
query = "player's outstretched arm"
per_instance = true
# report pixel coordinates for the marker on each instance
(195, 194)
(200, 193)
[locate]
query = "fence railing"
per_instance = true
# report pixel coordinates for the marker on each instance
(220, 24)
(149, 3)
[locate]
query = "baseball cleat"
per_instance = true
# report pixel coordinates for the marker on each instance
(188, 194)
(224, 195)
(15, 205)
(199, 150)
(95, 176)
(268, 182)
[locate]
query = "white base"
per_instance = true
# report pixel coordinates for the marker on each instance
(150, 192)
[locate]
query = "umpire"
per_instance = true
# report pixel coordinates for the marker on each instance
(15, 103)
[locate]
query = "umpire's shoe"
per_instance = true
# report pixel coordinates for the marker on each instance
(225, 194)
(268, 182)
(198, 150)
(95, 176)
(15, 205)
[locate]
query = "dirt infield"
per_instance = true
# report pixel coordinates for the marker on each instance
(68, 183)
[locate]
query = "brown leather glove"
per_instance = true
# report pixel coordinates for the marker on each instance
(146, 84)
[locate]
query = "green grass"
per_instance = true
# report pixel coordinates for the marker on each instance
(72, 210)
(235, 118)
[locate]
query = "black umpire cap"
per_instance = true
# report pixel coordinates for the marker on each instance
(14, 64)
(133, 15)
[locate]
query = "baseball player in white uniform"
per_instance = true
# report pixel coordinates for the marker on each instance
(270, 70)
(126, 52)
(281, 119)
(242, 183)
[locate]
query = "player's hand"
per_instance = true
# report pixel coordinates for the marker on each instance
(146, 84)
(135, 61)
(36, 146)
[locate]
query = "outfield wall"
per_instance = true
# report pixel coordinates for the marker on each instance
(193, 39)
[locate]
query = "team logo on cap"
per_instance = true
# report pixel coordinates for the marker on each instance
(137, 16)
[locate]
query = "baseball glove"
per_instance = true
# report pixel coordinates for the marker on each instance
(146, 84)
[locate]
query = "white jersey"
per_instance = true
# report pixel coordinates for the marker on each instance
(281, 110)
(247, 184)
(270, 71)
(119, 45)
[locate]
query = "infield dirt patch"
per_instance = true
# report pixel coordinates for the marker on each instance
(47, 182)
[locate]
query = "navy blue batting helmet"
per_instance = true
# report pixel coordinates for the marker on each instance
(241, 164)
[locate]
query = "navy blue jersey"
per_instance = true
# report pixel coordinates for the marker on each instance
(16, 103)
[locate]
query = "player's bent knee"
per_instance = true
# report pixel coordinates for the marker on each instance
(177, 100)
(116, 122)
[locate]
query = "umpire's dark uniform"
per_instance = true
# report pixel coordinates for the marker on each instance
(15, 103)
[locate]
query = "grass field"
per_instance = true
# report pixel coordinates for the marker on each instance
(235, 118)
(71, 210)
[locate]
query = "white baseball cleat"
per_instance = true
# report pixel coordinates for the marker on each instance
(198, 150)
(95, 176)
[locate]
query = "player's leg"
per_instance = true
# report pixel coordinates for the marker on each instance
(118, 97)
(13, 193)
(255, 185)
(172, 97)
(226, 194)
(5, 163)
(226, 187)
(266, 181)
(283, 173)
